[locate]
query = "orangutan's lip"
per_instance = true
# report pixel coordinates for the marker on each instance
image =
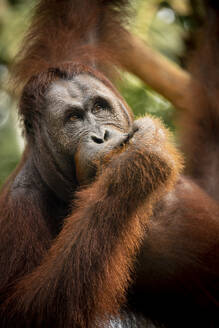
(127, 137)
(131, 134)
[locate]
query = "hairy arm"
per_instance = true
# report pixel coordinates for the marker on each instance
(84, 276)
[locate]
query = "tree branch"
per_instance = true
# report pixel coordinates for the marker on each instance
(158, 72)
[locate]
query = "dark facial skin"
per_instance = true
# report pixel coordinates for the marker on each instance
(84, 121)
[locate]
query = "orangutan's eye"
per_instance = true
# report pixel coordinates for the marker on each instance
(72, 118)
(73, 114)
(99, 105)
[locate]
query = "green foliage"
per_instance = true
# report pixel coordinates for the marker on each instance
(144, 100)
(14, 19)
(9, 153)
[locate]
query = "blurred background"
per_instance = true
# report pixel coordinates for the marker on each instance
(164, 25)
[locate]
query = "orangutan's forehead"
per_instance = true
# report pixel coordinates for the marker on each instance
(81, 86)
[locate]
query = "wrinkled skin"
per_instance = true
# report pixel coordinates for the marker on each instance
(85, 121)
